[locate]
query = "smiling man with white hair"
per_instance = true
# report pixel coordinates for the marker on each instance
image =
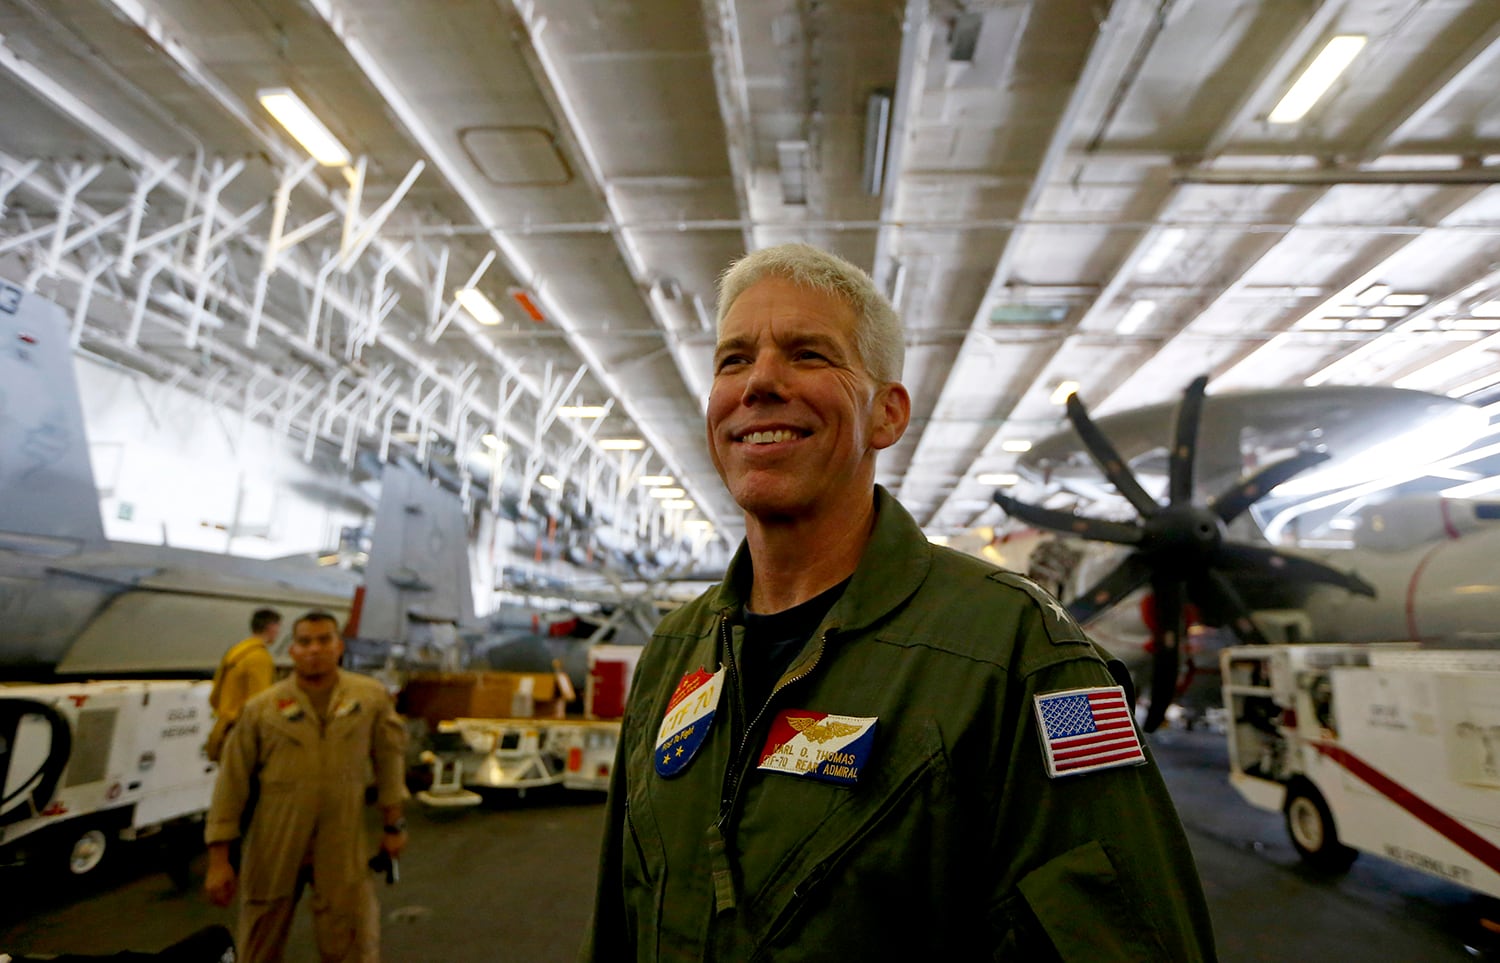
(861, 746)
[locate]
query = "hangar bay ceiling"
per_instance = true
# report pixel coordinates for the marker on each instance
(1051, 191)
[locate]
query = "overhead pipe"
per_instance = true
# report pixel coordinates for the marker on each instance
(105, 128)
(145, 182)
(205, 278)
(231, 360)
(925, 225)
(10, 180)
(220, 179)
(443, 160)
(85, 295)
(143, 293)
(74, 181)
(916, 41)
(1477, 176)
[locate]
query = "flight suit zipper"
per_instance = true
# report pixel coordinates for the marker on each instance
(724, 898)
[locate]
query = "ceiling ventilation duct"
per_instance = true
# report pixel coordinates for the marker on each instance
(515, 156)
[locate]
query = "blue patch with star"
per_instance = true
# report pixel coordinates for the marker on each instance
(689, 715)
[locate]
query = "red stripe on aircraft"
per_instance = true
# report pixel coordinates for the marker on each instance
(1411, 592)
(1445, 825)
(1448, 526)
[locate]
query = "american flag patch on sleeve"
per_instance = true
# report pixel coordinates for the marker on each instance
(1087, 729)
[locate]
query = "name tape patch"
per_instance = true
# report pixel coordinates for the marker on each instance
(1087, 729)
(818, 745)
(685, 725)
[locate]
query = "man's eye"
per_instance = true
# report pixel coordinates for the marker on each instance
(730, 361)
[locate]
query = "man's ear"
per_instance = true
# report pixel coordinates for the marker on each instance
(892, 413)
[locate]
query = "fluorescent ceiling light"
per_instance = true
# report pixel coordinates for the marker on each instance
(1343, 311)
(1366, 324)
(877, 133)
(1389, 311)
(492, 442)
(678, 504)
(1015, 444)
(1320, 324)
(656, 481)
(550, 482)
(1003, 479)
(478, 306)
(1489, 309)
(1473, 324)
(1407, 300)
(1135, 316)
(1326, 67)
(667, 492)
(622, 444)
(582, 411)
(290, 112)
(1166, 242)
(1372, 294)
(1062, 391)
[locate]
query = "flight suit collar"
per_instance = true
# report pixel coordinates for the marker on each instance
(894, 564)
(294, 713)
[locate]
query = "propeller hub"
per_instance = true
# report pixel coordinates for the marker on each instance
(1183, 536)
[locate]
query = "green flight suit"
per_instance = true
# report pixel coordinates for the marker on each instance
(953, 844)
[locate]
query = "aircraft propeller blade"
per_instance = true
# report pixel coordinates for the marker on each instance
(1181, 547)
(1262, 560)
(1069, 524)
(1233, 502)
(1171, 628)
(1185, 443)
(1215, 592)
(1123, 579)
(1108, 459)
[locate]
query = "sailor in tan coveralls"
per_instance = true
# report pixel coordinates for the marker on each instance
(310, 742)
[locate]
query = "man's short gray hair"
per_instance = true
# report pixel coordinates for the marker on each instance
(877, 333)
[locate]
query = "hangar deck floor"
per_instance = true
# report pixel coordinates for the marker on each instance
(511, 882)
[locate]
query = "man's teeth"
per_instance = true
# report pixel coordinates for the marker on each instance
(768, 437)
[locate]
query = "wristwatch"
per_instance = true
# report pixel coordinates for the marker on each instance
(399, 826)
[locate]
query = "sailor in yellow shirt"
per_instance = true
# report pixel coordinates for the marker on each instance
(245, 670)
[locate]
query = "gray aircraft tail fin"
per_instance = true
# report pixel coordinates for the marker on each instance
(48, 501)
(417, 589)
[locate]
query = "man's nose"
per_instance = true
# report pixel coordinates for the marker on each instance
(766, 379)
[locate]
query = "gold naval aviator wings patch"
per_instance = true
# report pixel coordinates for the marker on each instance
(820, 733)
